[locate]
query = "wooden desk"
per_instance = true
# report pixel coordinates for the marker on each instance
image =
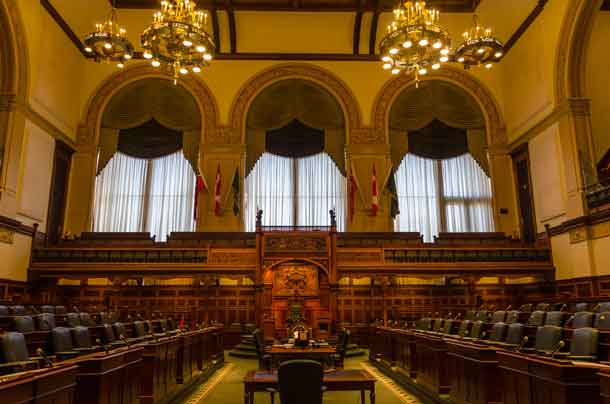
(281, 354)
(341, 380)
(432, 362)
(112, 378)
(51, 385)
(604, 385)
(159, 370)
(473, 373)
(530, 379)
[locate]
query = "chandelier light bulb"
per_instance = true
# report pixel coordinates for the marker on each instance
(407, 44)
(498, 54)
(196, 69)
(147, 55)
(88, 49)
(201, 49)
(481, 50)
(423, 42)
(120, 65)
(437, 45)
(461, 60)
(127, 56)
(445, 52)
(393, 51)
(444, 59)
(155, 63)
(108, 45)
(387, 66)
(488, 66)
(422, 71)
(184, 70)
(187, 43)
(207, 57)
(436, 66)
(395, 71)
(386, 58)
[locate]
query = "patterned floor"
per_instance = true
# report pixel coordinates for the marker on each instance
(226, 386)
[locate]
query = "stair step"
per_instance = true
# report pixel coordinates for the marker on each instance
(243, 354)
(355, 352)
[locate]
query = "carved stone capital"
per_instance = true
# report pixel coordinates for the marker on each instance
(366, 136)
(223, 135)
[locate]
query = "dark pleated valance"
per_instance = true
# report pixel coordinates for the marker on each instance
(150, 140)
(295, 140)
(438, 141)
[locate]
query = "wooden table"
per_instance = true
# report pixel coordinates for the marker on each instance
(51, 385)
(341, 380)
(281, 354)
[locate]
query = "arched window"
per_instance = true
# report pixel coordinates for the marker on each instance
(295, 191)
(452, 194)
(154, 195)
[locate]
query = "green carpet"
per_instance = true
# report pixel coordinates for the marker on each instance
(226, 387)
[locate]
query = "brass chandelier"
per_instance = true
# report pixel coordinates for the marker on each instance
(109, 43)
(178, 38)
(416, 42)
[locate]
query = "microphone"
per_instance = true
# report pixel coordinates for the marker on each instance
(40, 352)
(565, 306)
(122, 338)
(510, 306)
(523, 342)
(560, 345)
(106, 348)
(595, 308)
(457, 317)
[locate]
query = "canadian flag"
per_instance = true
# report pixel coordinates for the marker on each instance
(200, 186)
(374, 193)
(217, 186)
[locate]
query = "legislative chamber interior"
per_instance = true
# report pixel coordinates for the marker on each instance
(304, 201)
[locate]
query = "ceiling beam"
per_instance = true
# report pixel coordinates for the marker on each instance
(357, 27)
(215, 29)
(529, 20)
(373, 32)
(46, 4)
(232, 30)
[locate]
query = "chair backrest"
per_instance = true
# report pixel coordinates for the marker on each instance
(46, 321)
(498, 332)
(438, 324)
(119, 329)
(558, 306)
(105, 318)
(602, 320)
(85, 319)
(512, 316)
(581, 307)
(3, 311)
(163, 325)
(47, 309)
(300, 382)
(18, 310)
(60, 310)
(14, 348)
(555, 318)
(526, 308)
(449, 327)
(604, 306)
(464, 330)
(470, 315)
(108, 334)
(149, 326)
(139, 329)
(72, 319)
(498, 316)
(543, 307)
(514, 335)
(582, 319)
(537, 318)
(483, 315)
(548, 337)
(24, 324)
(477, 330)
(62, 340)
(584, 342)
(81, 337)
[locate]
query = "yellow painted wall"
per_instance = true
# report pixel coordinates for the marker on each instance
(15, 258)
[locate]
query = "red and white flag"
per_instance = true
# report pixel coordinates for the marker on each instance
(374, 193)
(217, 186)
(200, 186)
(353, 188)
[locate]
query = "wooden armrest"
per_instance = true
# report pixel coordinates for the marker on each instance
(582, 358)
(19, 364)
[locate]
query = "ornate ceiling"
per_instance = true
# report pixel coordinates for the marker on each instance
(452, 6)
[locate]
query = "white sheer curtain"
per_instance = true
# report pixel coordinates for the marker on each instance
(418, 199)
(133, 194)
(270, 187)
(295, 191)
(320, 188)
(467, 195)
(443, 195)
(119, 195)
(171, 197)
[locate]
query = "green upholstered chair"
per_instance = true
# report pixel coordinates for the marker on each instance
(465, 328)
(557, 318)
(264, 359)
(300, 382)
(498, 332)
(62, 343)
(548, 339)
(24, 324)
(15, 354)
(582, 319)
(46, 321)
(498, 316)
(537, 318)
